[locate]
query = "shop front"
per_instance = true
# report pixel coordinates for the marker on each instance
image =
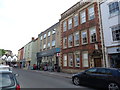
(114, 57)
(47, 60)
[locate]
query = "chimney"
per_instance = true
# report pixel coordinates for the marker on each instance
(33, 38)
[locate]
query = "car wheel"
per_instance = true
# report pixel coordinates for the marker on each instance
(113, 86)
(76, 81)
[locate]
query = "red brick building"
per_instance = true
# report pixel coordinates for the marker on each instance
(80, 37)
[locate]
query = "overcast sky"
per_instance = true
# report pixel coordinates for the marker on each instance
(22, 19)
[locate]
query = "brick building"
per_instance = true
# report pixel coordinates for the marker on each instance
(81, 42)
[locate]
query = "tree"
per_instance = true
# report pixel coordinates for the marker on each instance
(3, 51)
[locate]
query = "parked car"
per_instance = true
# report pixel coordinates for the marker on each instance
(5, 68)
(8, 81)
(108, 78)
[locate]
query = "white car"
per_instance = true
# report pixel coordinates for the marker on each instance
(5, 68)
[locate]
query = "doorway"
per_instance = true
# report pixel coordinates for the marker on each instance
(97, 62)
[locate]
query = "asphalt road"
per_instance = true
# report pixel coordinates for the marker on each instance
(33, 79)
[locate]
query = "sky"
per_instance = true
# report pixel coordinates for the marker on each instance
(22, 19)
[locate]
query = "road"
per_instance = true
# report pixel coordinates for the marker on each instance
(33, 79)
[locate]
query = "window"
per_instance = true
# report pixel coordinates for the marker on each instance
(64, 26)
(92, 70)
(65, 60)
(53, 43)
(116, 33)
(44, 35)
(65, 42)
(104, 71)
(76, 39)
(91, 12)
(53, 32)
(48, 33)
(77, 59)
(44, 46)
(70, 23)
(53, 37)
(41, 38)
(70, 58)
(85, 59)
(48, 44)
(70, 41)
(83, 17)
(76, 20)
(84, 37)
(113, 8)
(92, 35)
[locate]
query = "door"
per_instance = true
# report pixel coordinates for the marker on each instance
(97, 62)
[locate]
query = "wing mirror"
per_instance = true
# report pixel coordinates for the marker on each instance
(16, 75)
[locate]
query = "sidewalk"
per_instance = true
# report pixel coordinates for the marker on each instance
(61, 74)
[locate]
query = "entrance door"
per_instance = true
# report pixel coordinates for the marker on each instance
(97, 62)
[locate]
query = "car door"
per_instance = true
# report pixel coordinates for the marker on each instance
(88, 76)
(102, 76)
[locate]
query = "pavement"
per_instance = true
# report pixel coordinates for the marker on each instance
(61, 74)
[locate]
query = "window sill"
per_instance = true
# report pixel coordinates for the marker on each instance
(114, 15)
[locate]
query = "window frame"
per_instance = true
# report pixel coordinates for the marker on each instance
(64, 26)
(91, 34)
(70, 23)
(64, 45)
(83, 18)
(70, 40)
(75, 34)
(65, 61)
(91, 14)
(77, 53)
(83, 59)
(83, 38)
(70, 59)
(76, 20)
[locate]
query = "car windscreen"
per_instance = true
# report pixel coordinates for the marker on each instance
(6, 80)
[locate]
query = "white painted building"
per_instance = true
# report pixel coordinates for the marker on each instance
(110, 16)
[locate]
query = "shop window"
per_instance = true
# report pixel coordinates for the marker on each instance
(65, 60)
(70, 58)
(85, 59)
(77, 59)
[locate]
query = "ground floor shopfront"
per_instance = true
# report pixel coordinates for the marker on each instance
(48, 59)
(77, 60)
(113, 57)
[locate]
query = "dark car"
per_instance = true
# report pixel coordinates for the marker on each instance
(8, 81)
(108, 78)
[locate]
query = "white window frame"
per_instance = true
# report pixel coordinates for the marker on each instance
(64, 26)
(83, 16)
(76, 33)
(69, 23)
(76, 20)
(70, 59)
(113, 29)
(113, 8)
(64, 42)
(48, 33)
(92, 31)
(76, 59)
(48, 44)
(83, 32)
(41, 38)
(65, 60)
(44, 35)
(70, 40)
(54, 31)
(85, 62)
(44, 46)
(91, 12)
(53, 43)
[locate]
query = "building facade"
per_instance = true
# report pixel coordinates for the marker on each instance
(21, 58)
(110, 16)
(81, 37)
(49, 47)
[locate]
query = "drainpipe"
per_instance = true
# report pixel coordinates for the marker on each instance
(102, 35)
